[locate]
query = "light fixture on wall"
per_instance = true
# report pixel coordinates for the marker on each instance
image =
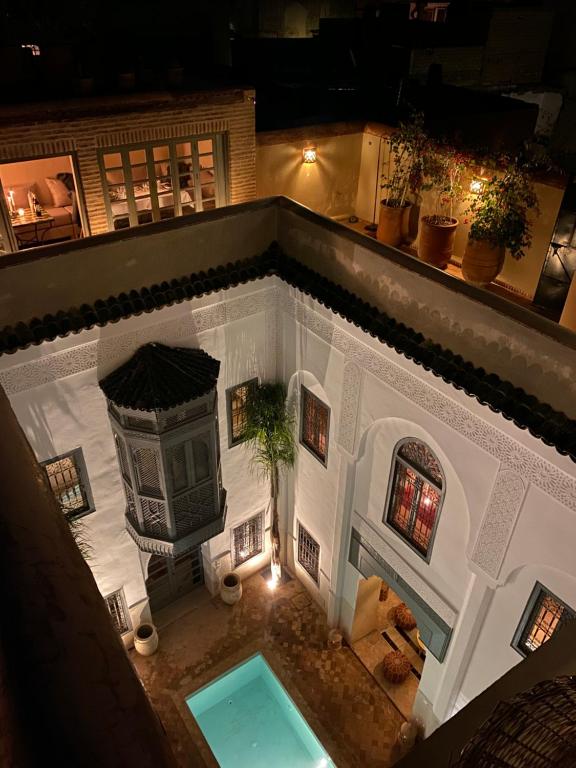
(309, 155)
(476, 186)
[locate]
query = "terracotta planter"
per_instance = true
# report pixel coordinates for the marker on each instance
(230, 588)
(391, 223)
(482, 262)
(146, 639)
(410, 223)
(436, 244)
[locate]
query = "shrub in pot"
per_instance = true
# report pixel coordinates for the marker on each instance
(230, 588)
(500, 222)
(146, 639)
(402, 179)
(437, 230)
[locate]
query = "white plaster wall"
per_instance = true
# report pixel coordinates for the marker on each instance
(541, 549)
(70, 412)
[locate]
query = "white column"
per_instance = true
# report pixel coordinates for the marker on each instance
(341, 540)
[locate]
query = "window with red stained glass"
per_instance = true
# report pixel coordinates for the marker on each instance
(416, 495)
(314, 425)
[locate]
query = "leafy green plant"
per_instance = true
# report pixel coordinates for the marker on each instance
(444, 170)
(405, 170)
(269, 433)
(500, 210)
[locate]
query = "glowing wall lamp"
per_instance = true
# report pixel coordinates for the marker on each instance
(309, 155)
(477, 185)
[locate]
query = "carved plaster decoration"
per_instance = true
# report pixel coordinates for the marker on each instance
(548, 477)
(110, 351)
(285, 300)
(351, 385)
(498, 521)
(410, 576)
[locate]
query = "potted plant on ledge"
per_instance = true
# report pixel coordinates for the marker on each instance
(404, 176)
(438, 230)
(500, 222)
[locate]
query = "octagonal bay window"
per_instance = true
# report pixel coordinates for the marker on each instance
(163, 410)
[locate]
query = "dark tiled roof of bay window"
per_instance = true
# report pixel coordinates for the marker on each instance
(527, 412)
(158, 377)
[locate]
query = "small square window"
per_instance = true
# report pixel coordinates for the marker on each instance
(69, 481)
(314, 423)
(542, 617)
(308, 553)
(116, 604)
(247, 540)
(236, 398)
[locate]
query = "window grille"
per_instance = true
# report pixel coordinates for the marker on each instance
(416, 495)
(69, 482)
(119, 612)
(542, 617)
(153, 181)
(315, 420)
(154, 514)
(189, 414)
(146, 464)
(308, 553)
(143, 425)
(178, 468)
(237, 398)
(122, 456)
(201, 456)
(247, 540)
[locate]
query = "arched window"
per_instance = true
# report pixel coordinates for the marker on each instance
(415, 495)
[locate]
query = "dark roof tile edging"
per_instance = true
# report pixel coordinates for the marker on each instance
(526, 411)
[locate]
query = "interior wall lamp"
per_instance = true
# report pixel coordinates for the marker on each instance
(476, 186)
(309, 155)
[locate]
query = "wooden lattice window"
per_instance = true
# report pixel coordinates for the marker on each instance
(543, 615)
(69, 481)
(415, 496)
(147, 471)
(247, 540)
(308, 553)
(119, 612)
(314, 425)
(236, 399)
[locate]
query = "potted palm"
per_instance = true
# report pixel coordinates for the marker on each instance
(269, 434)
(437, 230)
(500, 222)
(402, 179)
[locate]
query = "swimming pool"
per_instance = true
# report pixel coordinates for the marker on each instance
(250, 721)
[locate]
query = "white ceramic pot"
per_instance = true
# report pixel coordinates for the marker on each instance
(146, 639)
(230, 588)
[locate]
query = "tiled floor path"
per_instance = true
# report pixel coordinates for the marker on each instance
(349, 712)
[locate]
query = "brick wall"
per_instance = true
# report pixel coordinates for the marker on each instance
(82, 130)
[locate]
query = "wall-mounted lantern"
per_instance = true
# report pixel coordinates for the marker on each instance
(477, 185)
(309, 155)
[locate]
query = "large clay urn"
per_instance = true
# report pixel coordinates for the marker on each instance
(482, 262)
(436, 244)
(391, 223)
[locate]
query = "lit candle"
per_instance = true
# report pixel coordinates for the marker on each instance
(21, 211)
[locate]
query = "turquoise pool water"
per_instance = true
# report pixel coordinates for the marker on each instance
(250, 721)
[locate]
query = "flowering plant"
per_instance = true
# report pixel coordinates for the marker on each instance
(500, 210)
(407, 160)
(444, 171)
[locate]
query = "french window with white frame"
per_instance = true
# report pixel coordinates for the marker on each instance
(152, 181)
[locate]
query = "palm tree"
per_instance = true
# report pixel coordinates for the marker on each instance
(269, 432)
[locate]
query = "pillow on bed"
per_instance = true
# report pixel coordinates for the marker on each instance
(59, 191)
